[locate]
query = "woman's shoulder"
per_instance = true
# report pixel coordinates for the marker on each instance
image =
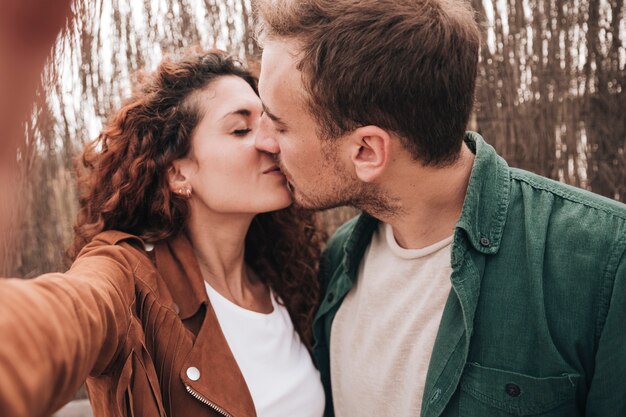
(114, 237)
(115, 240)
(117, 247)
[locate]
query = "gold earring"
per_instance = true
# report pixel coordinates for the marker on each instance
(180, 191)
(188, 192)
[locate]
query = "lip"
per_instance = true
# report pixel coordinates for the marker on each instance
(274, 169)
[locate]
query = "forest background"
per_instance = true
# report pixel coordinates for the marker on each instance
(551, 97)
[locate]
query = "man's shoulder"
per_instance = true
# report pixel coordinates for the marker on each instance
(573, 196)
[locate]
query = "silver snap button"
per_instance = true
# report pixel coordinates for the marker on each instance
(484, 241)
(148, 247)
(193, 373)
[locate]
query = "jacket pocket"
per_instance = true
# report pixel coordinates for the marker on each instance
(489, 392)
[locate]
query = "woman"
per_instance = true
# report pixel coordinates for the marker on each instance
(190, 294)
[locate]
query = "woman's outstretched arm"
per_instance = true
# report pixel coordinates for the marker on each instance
(57, 329)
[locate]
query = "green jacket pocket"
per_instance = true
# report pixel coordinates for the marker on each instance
(487, 392)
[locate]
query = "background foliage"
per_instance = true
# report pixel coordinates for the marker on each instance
(551, 96)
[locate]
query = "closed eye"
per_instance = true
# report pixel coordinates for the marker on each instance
(241, 132)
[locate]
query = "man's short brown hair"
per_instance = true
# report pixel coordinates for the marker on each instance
(408, 66)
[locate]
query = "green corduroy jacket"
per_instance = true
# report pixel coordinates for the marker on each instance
(535, 323)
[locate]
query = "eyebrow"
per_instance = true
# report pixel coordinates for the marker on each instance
(240, 112)
(272, 116)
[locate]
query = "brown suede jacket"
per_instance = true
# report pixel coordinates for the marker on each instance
(140, 331)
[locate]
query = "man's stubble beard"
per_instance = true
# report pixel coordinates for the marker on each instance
(347, 190)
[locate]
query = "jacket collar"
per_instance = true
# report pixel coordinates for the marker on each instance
(487, 198)
(178, 266)
(357, 243)
(483, 214)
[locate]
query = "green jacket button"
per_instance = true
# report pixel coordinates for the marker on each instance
(513, 390)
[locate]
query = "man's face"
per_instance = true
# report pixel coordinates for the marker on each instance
(317, 174)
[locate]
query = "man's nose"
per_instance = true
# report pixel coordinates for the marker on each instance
(265, 141)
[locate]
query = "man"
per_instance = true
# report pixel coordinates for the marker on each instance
(467, 288)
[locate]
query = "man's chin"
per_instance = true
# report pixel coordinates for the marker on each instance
(298, 199)
(303, 201)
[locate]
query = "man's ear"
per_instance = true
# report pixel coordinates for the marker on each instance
(369, 152)
(177, 180)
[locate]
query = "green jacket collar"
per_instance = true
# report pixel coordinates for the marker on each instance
(487, 198)
(357, 243)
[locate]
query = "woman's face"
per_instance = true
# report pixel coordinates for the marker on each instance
(226, 172)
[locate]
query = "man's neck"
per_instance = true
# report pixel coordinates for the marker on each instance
(429, 201)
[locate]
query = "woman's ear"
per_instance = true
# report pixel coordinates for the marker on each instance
(176, 179)
(369, 152)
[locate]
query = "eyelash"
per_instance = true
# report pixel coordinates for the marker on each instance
(242, 132)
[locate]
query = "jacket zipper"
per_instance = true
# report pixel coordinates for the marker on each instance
(207, 402)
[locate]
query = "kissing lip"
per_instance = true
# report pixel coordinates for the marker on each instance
(273, 169)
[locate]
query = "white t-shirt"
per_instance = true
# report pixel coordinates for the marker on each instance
(275, 364)
(383, 334)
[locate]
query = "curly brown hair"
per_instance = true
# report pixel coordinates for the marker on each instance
(124, 185)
